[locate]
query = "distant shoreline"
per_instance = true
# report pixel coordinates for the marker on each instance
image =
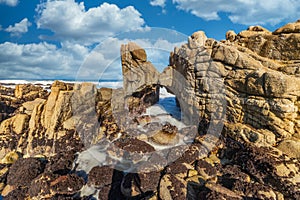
(46, 83)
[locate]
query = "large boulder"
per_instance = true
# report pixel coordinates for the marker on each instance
(139, 75)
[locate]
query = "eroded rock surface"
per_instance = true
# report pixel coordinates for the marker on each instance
(242, 94)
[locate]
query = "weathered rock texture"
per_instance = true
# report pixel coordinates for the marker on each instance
(140, 78)
(243, 94)
(258, 91)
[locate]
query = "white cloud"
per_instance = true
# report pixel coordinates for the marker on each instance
(105, 61)
(70, 20)
(19, 28)
(247, 12)
(161, 3)
(40, 61)
(9, 2)
(47, 61)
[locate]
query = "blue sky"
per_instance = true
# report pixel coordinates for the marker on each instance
(56, 39)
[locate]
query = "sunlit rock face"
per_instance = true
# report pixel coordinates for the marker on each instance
(254, 78)
(139, 74)
(220, 122)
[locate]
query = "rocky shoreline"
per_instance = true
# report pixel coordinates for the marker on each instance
(238, 135)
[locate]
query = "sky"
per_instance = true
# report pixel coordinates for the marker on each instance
(76, 39)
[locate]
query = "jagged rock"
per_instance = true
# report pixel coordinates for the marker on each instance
(291, 148)
(253, 92)
(139, 101)
(166, 136)
(49, 122)
(288, 28)
(8, 103)
(61, 163)
(17, 124)
(230, 35)
(130, 149)
(137, 52)
(172, 187)
(48, 185)
(241, 98)
(100, 176)
(254, 31)
(18, 193)
(105, 94)
(62, 85)
(279, 45)
(29, 92)
(197, 39)
(138, 74)
(140, 185)
(23, 171)
(66, 185)
(30, 105)
(10, 158)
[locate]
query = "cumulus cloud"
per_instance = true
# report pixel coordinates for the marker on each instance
(9, 2)
(160, 3)
(70, 20)
(75, 61)
(19, 28)
(104, 62)
(246, 12)
(40, 61)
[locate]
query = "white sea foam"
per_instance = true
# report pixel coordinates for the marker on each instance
(47, 83)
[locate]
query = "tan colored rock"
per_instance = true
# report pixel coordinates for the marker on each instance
(10, 158)
(29, 105)
(230, 35)
(105, 94)
(17, 124)
(137, 72)
(140, 80)
(258, 92)
(288, 28)
(29, 91)
(20, 123)
(167, 136)
(290, 147)
(7, 189)
(223, 190)
(137, 52)
(170, 187)
(258, 29)
(62, 85)
(197, 39)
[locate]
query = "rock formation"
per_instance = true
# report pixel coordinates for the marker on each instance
(140, 78)
(241, 97)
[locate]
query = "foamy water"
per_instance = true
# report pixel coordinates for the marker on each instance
(46, 84)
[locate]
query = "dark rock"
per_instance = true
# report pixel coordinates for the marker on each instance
(51, 185)
(40, 186)
(130, 148)
(138, 184)
(67, 184)
(23, 171)
(61, 163)
(100, 177)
